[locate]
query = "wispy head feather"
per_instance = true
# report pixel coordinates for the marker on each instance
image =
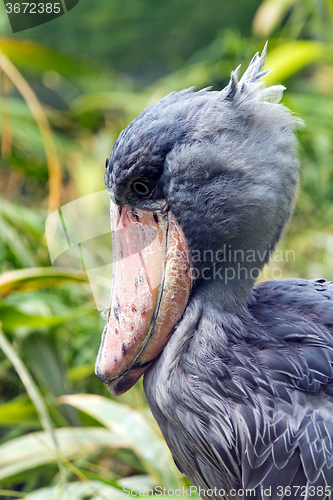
(249, 87)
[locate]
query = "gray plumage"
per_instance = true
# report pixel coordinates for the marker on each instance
(243, 390)
(244, 400)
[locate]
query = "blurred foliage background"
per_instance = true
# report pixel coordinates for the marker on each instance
(67, 88)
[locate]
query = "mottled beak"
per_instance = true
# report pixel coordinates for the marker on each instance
(151, 285)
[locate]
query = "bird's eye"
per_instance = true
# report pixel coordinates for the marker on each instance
(142, 187)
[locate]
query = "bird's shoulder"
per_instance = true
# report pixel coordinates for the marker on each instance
(291, 331)
(274, 388)
(311, 299)
(290, 431)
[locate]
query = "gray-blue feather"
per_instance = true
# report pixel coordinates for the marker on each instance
(243, 391)
(245, 401)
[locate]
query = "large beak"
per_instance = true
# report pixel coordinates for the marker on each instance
(151, 285)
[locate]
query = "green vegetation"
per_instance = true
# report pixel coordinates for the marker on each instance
(61, 434)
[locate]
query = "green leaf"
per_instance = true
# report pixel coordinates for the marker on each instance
(19, 411)
(35, 58)
(95, 490)
(12, 318)
(129, 102)
(36, 449)
(46, 365)
(79, 372)
(100, 491)
(15, 319)
(269, 15)
(36, 278)
(13, 240)
(137, 482)
(130, 424)
(28, 220)
(289, 58)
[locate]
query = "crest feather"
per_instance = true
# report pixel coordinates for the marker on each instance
(249, 87)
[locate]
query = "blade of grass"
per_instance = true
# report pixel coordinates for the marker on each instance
(79, 491)
(129, 423)
(37, 59)
(6, 136)
(78, 472)
(36, 278)
(19, 411)
(10, 493)
(24, 454)
(34, 394)
(12, 239)
(55, 176)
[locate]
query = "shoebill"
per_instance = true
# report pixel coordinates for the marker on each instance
(238, 375)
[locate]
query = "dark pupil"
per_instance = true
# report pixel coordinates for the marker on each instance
(141, 188)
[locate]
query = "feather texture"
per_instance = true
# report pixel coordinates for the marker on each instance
(268, 399)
